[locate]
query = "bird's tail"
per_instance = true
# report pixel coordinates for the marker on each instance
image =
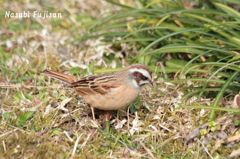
(60, 76)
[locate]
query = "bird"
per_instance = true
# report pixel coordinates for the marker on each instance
(109, 91)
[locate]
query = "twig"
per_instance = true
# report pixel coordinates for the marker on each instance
(165, 128)
(205, 149)
(147, 150)
(85, 142)
(4, 146)
(75, 146)
(63, 103)
(68, 136)
(7, 133)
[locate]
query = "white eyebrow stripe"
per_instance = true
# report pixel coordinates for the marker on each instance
(142, 71)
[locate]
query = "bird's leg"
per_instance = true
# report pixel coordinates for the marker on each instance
(93, 114)
(128, 120)
(117, 117)
(107, 116)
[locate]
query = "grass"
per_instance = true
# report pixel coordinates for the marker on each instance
(191, 38)
(193, 52)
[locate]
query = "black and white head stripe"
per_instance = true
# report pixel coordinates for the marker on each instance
(142, 71)
(140, 76)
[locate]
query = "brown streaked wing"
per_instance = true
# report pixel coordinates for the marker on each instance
(84, 91)
(95, 84)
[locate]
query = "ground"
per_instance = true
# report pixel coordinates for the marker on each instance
(42, 118)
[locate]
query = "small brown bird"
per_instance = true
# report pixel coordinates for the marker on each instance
(111, 91)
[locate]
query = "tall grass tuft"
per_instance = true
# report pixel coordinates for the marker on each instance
(197, 41)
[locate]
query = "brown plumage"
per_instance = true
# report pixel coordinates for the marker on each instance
(110, 91)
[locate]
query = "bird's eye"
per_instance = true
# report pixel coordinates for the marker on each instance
(144, 78)
(136, 74)
(140, 76)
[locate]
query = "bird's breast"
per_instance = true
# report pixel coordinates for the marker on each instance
(116, 98)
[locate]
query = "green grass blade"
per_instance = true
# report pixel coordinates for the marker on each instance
(228, 10)
(220, 95)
